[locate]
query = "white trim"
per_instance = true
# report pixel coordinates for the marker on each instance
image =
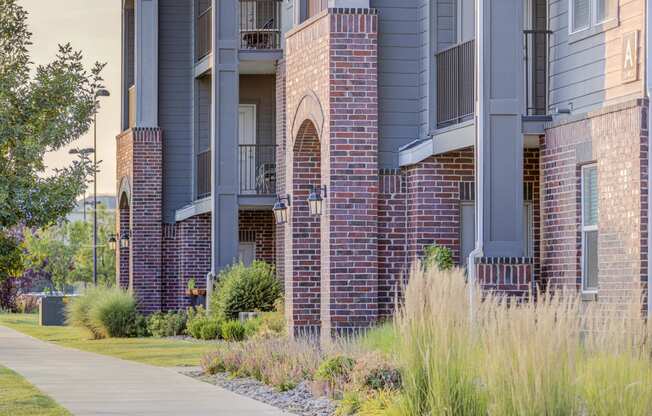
(584, 229)
(593, 17)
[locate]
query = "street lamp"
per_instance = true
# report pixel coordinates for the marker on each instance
(99, 93)
(281, 209)
(316, 200)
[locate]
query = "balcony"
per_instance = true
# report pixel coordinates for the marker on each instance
(455, 84)
(257, 170)
(204, 31)
(260, 24)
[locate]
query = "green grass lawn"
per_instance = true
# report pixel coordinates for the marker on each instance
(154, 351)
(19, 398)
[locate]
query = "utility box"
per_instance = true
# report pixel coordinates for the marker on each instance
(51, 311)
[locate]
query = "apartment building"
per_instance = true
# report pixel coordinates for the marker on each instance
(338, 138)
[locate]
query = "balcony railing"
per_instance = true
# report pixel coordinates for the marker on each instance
(455, 84)
(204, 174)
(132, 107)
(257, 170)
(260, 24)
(536, 69)
(204, 35)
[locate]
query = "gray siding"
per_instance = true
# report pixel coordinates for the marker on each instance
(446, 24)
(586, 72)
(399, 69)
(175, 103)
(261, 91)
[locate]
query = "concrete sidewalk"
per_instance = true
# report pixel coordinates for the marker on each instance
(92, 384)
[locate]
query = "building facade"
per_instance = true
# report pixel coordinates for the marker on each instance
(514, 132)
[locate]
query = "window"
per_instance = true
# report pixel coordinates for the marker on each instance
(583, 14)
(590, 228)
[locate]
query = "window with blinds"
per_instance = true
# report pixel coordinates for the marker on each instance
(590, 228)
(587, 13)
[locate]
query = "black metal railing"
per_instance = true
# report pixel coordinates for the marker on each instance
(204, 174)
(204, 34)
(455, 84)
(257, 169)
(536, 70)
(260, 24)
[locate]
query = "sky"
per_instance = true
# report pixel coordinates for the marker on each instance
(92, 26)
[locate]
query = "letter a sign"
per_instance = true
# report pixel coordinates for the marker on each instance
(629, 58)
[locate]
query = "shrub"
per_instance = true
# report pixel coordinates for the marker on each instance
(210, 330)
(140, 327)
(335, 371)
(167, 324)
(233, 331)
(439, 257)
(113, 314)
(195, 321)
(78, 311)
(279, 362)
(267, 324)
(350, 403)
(246, 289)
(373, 371)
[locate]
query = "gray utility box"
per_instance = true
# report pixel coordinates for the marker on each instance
(51, 311)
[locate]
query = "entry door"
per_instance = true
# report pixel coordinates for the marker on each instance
(247, 253)
(247, 141)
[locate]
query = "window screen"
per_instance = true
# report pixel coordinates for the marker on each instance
(590, 228)
(581, 14)
(605, 10)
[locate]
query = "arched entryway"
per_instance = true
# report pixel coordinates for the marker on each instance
(123, 233)
(304, 284)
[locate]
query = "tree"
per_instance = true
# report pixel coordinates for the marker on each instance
(65, 251)
(42, 109)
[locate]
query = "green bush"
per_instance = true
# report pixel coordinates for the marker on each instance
(210, 330)
(374, 371)
(167, 324)
(140, 328)
(78, 308)
(233, 331)
(246, 289)
(113, 314)
(439, 257)
(196, 318)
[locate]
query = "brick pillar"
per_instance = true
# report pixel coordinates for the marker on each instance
(350, 221)
(140, 161)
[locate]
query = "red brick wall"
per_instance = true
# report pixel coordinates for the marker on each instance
(281, 127)
(392, 240)
(433, 205)
(531, 178)
(261, 225)
(616, 138)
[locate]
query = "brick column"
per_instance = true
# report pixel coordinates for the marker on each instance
(281, 126)
(350, 221)
(140, 161)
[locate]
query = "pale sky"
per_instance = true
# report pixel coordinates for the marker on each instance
(92, 26)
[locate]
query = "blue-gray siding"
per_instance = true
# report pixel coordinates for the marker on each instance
(175, 103)
(586, 72)
(399, 68)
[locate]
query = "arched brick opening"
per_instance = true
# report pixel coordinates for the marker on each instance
(303, 289)
(123, 255)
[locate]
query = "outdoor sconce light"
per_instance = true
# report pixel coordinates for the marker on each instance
(112, 241)
(316, 199)
(281, 209)
(124, 239)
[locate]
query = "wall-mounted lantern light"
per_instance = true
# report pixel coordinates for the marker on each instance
(124, 239)
(281, 209)
(316, 200)
(112, 241)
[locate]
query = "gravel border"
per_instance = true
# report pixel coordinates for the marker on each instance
(299, 401)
